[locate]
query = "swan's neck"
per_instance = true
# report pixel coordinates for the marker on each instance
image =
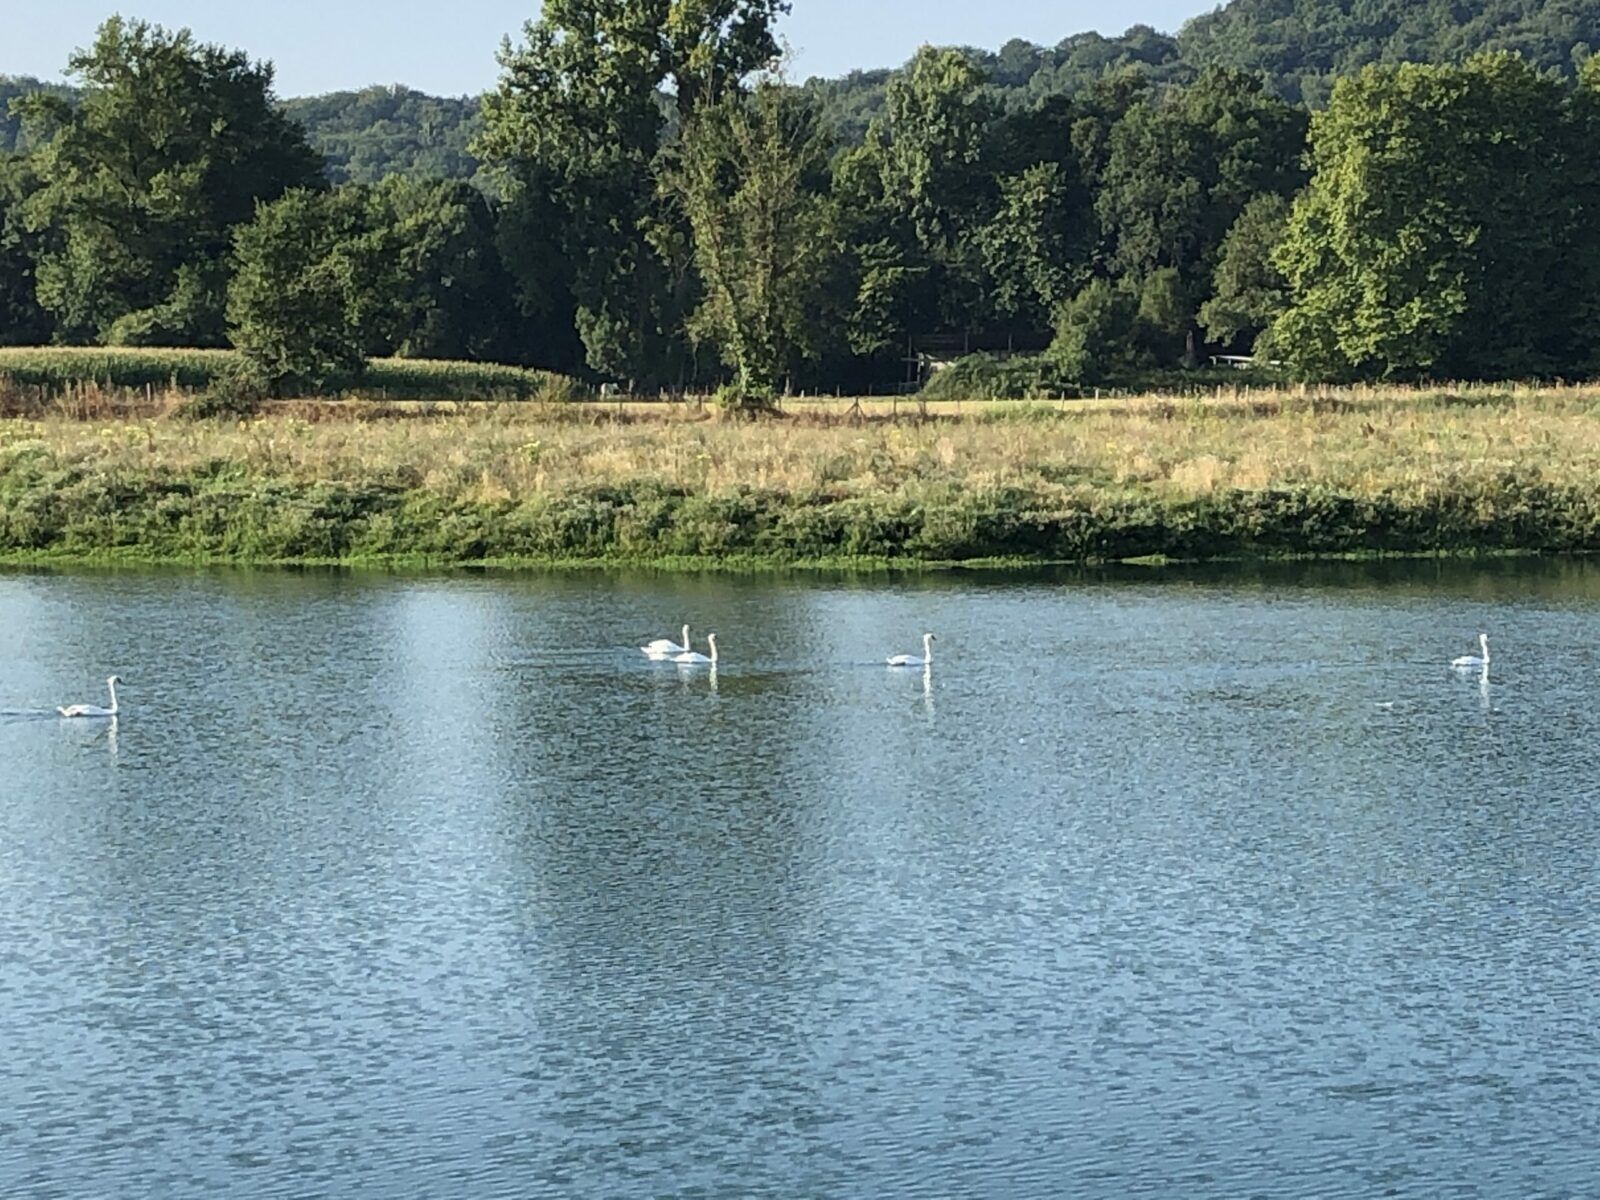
(1484, 642)
(712, 641)
(927, 648)
(685, 642)
(112, 684)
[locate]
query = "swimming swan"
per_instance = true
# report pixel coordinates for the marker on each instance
(661, 648)
(910, 660)
(94, 710)
(1468, 662)
(690, 659)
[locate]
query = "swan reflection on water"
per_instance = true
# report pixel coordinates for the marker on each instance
(692, 658)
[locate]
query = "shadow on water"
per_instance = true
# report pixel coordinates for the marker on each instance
(1566, 577)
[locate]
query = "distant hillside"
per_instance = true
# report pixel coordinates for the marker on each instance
(364, 135)
(382, 131)
(1020, 73)
(1303, 45)
(11, 87)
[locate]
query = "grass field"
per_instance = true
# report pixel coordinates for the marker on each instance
(1459, 470)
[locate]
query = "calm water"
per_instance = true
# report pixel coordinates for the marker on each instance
(1189, 886)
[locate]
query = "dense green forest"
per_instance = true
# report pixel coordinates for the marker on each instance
(376, 132)
(650, 204)
(1303, 45)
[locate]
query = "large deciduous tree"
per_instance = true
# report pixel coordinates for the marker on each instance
(1434, 237)
(1180, 169)
(574, 131)
(1249, 292)
(327, 279)
(1033, 247)
(313, 278)
(930, 145)
(170, 146)
(912, 197)
(22, 320)
(751, 174)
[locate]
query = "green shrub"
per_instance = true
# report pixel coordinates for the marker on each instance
(993, 377)
(235, 393)
(734, 400)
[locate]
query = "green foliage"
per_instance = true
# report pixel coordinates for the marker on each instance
(23, 320)
(15, 136)
(750, 173)
(1098, 333)
(236, 392)
(1303, 45)
(377, 132)
(58, 368)
(325, 279)
(62, 368)
(1180, 170)
(1034, 246)
(170, 145)
(1434, 237)
(993, 377)
(1019, 77)
(445, 238)
(1249, 292)
(221, 515)
(745, 400)
(911, 200)
(929, 146)
(310, 271)
(637, 207)
(574, 131)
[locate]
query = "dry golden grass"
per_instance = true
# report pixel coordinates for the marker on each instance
(1355, 441)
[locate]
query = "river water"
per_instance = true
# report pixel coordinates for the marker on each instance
(1184, 884)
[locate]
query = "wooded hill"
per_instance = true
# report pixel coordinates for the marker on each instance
(1300, 46)
(1303, 45)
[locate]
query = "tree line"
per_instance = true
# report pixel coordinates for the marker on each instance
(662, 209)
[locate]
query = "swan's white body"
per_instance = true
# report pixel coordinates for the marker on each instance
(691, 659)
(1468, 662)
(662, 648)
(86, 711)
(911, 660)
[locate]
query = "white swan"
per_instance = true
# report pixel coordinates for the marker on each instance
(94, 710)
(1468, 662)
(911, 660)
(662, 648)
(690, 659)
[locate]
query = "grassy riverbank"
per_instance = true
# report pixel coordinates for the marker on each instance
(1366, 471)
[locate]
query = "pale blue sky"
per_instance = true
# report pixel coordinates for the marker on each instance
(447, 46)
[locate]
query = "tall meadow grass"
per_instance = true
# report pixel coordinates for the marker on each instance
(1289, 472)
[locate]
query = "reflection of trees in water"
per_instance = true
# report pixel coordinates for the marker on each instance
(667, 839)
(1486, 580)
